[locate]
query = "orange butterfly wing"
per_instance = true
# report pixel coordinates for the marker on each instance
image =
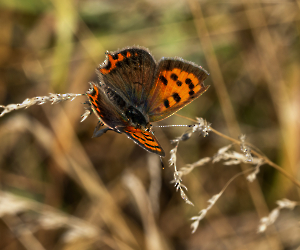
(145, 139)
(177, 83)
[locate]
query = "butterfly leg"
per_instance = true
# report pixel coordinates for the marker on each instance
(100, 132)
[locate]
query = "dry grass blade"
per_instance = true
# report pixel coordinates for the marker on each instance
(39, 100)
(152, 235)
(45, 217)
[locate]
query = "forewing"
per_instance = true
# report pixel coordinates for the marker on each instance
(104, 109)
(176, 83)
(145, 139)
(129, 71)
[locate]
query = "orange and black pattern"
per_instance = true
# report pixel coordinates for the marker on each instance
(134, 90)
(145, 139)
(177, 84)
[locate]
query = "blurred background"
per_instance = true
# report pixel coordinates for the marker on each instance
(61, 189)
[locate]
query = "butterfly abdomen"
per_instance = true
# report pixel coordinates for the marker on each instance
(133, 115)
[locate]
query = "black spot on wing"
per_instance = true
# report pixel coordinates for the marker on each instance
(166, 103)
(176, 97)
(163, 80)
(191, 93)
(115, 56)
(188, 81)
(174, 77)
(179, 83)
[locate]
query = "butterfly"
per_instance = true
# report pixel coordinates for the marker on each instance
(134, 90)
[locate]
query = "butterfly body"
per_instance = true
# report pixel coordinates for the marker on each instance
(134, 91)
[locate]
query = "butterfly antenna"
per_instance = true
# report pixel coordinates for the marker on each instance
(167, 126)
